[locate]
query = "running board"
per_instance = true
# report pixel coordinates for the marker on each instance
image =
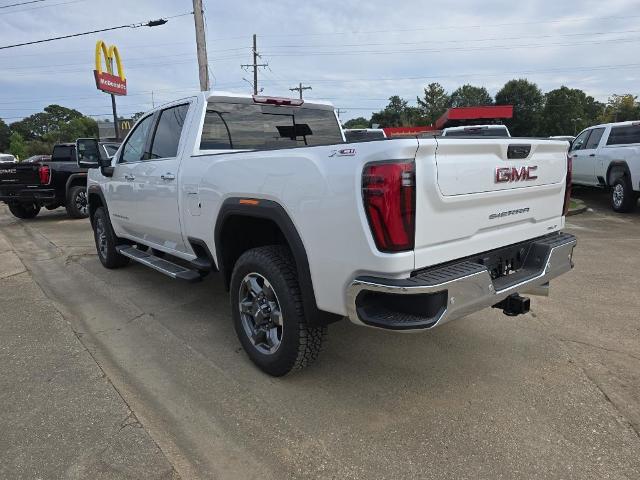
(160, 264)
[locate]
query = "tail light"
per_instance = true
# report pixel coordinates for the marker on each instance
(567, 190)
(389, 195)
(278, 101)
(44, 172)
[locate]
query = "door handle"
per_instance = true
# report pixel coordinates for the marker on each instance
(129, 178)
(168, 176)
(592, 155)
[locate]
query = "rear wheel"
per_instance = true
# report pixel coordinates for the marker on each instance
(106, 241)
(267, 312)
(77, 204)
(623, 198)
(24, 210)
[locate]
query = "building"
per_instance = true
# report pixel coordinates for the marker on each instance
(455, 117)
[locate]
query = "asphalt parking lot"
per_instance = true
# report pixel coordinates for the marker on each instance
(552, 394)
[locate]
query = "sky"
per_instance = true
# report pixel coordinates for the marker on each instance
(355, 54)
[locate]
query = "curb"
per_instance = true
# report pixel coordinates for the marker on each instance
(580, 208)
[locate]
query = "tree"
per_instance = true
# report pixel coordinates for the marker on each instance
(621, 108)
(434, 103)
(470, 96)
(17, 147)
(397, 113)
(5, 132)
(36, 126)
(528, 103)
(359, 122)
(567, 111)
(137, 115)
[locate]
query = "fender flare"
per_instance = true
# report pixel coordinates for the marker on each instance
(617, 164)
(95, 190)
(270, 210)
(70, 180)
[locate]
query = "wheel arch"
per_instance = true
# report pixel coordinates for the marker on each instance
(239, 215)
(76, 179)
(617, 165)
(96, 199)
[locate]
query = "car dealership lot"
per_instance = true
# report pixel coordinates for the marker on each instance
(553, 394)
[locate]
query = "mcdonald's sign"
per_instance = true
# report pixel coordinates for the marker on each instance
(107, 81)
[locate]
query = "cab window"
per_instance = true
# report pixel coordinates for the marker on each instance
(579, 143)
(133, 150)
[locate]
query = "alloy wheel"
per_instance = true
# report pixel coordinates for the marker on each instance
(260, 313)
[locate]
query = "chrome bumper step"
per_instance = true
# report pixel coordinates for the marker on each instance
(166, 267)
(435, 296)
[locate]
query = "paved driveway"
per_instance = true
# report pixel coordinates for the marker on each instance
(553, 394)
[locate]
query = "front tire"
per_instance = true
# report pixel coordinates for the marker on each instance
(623, 198)
(24, 211)
(106, 241)
(267, 312)
(77, 204)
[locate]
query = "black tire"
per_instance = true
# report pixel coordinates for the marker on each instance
(623, 198)
(24, 211)
(106, 241)
(299, 344)
(77, 205)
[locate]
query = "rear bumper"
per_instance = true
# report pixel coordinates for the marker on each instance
(435, 296)
(22, 194)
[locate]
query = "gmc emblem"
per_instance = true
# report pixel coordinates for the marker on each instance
(514, 174)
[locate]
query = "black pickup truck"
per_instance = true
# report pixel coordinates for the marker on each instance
(28, 187)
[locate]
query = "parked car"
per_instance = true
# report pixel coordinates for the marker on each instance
(306, 230)
(27, 187)
(477, 131)
(7, 158)
(364, 134)
(608, 156)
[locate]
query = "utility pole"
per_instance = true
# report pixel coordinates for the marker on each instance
(300, 88)
(201, 45)
(255, 65)
(116, 127)
(339, 111)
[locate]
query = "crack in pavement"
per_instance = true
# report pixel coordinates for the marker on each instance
(587, 344)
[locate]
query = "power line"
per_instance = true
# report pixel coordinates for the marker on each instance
(21, 3)
(150, 23)
(300, 89)
(453, 27)
(443, 50)
(43, 6)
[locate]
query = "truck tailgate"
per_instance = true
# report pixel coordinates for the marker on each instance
(17, 174)
(474, 195)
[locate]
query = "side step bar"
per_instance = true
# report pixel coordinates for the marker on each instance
(160, 264)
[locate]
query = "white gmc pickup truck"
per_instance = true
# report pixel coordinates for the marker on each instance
(306, 229)
(609, 156)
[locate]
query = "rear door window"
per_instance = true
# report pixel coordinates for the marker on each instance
(594, 139)
(167, 135)
(266, 127)
(624, 135)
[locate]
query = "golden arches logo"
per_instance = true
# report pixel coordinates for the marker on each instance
(110, 54)
(108, 81)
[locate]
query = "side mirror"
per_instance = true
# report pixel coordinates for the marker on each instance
(88, 152)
